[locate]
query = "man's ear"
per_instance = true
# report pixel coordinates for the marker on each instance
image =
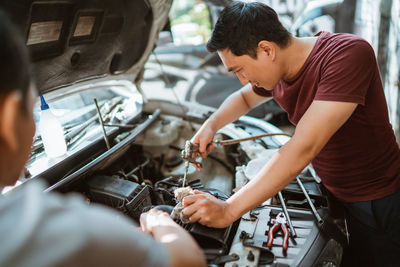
(10, 109)
(268, 48)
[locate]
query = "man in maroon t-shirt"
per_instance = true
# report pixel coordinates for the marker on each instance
(331, 89)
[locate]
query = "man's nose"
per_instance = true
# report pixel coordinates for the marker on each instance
(243, 80)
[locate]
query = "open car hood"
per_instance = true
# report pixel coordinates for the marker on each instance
(73, 40)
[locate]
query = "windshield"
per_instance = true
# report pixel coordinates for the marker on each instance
(119, 102)
(75, 109)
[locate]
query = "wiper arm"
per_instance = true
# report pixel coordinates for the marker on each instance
(71, 137)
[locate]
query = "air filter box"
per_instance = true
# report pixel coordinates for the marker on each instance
(126, 196)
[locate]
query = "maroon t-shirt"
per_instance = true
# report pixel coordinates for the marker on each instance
(361, 161)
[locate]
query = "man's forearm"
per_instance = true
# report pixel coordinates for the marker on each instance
(274, 176)
(236, 105)
(316, 127)
(321, 120)
(230, 110)
(182, 248)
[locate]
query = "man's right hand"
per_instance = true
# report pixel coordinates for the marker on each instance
(204, 139)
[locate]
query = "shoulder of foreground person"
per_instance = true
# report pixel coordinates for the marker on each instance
(48, 229)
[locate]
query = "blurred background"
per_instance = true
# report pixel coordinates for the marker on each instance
(188, 72)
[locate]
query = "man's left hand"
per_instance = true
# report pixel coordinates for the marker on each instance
(207, 210)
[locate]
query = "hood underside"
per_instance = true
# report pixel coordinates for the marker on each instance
(75, 40)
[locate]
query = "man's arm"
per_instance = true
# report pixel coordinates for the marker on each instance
(236, 105)
(75, 234)
(316, 127)
(183, 249)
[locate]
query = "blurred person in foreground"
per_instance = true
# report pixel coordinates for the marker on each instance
(330, 86)
(48, 229)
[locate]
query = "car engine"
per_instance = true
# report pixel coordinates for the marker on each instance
(145, 174)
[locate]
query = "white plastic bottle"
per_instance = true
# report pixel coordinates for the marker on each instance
(51, 131)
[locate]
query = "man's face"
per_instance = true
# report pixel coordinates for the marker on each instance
(262, 72)
(15, 154)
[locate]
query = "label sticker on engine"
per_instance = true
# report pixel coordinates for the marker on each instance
(44, 32)
(84, 26)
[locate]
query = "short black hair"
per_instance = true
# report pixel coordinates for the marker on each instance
(241, 26)
(15, 70)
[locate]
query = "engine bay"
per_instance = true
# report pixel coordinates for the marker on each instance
(145, 174)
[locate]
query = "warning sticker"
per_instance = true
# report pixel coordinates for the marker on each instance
(44, 32)
(84, 26)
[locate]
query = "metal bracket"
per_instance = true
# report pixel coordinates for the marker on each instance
(227, 258)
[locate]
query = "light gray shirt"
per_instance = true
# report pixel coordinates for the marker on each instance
(48, 229)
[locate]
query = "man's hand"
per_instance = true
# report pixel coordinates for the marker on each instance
(176, 239)
(237, 104)
(207, 210)
(204, 138)
(154, 218)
